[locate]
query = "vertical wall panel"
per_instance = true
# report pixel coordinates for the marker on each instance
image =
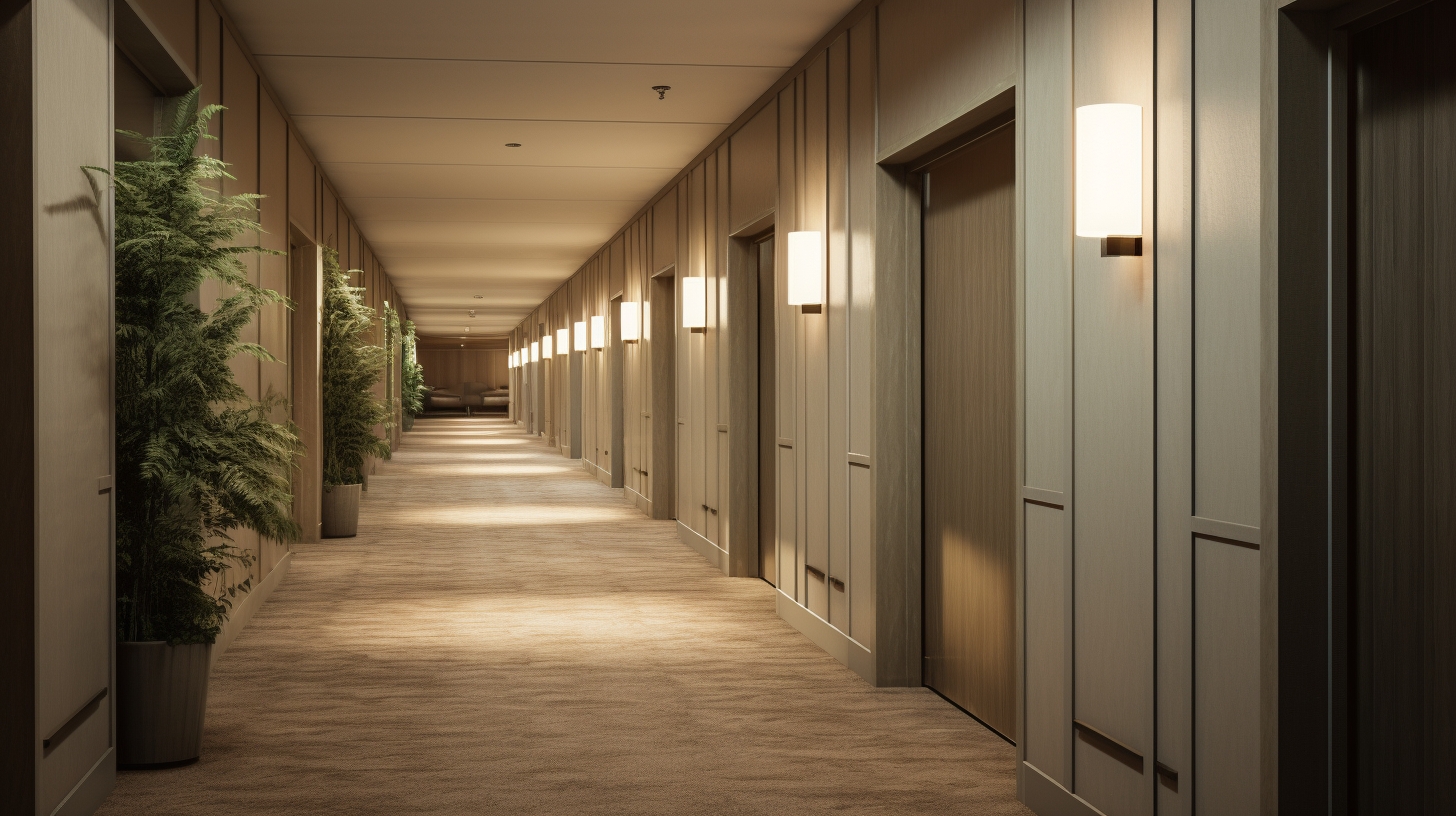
(860, 341)
(709, 395)
(813, 441)
(1113, 439)
(1226, 657)
(788, 544)
(836, 312)
(1226, 282)
(755, 167)
(1175, 404)
(1047, 597)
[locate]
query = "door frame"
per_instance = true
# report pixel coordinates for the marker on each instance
(742, 541)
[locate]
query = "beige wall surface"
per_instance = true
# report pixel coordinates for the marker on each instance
(1116, 431)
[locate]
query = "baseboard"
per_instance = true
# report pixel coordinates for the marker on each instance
(643, 503)
(89, 794)
(244, 609)
(707, 549)
(1046, 797)
(840, 646)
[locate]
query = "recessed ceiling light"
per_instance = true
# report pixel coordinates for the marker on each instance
(513, 144)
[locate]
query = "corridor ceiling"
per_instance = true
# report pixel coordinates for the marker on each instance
(409, 107)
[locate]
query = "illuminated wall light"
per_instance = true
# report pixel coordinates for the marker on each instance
(580, 335)
(511, 360)
(631, 321)
(535, 352)
(563, 342)
(1110, 177)
(546, 347)
(598, 332)
(695, 304)
(806, 271)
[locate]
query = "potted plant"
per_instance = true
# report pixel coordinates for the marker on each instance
(196, 457)
(413, 388)
(351, 368)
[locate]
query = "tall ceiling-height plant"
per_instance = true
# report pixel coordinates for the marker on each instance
(196, 456)
(351, 368)
(413, 388)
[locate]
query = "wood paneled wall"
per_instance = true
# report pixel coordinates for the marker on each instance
(57, 596)
(267, 155)
(1138, 522)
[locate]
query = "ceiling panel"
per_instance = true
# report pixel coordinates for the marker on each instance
(510, 210)
(409, 106)
(744, 32)
(663, 146)
(463, 89)
(479, 232)
(467, 181)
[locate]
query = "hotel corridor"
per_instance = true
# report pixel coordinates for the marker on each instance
(506, 635)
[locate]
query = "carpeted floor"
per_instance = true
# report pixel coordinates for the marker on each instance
(508, 636)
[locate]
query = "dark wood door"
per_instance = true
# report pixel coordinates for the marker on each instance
(1403, 456)
(767, 416)
(970, 490)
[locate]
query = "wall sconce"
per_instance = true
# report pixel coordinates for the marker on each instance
(631, 321)
(535, 352)
(546, 347)
(580, 329)
(563, 342)
(695, 304)
(806, 271)
(1110, 177)
(598, 332)
(511, 360)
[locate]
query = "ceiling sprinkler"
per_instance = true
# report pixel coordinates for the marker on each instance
(662, 90)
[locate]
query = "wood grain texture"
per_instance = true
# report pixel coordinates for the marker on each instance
(754, 168)
(767, 407)
(65, 287)
(1403, 468)
(971, 491)
(939, 61)
(1226, 284)
(1176, 260)
(1226, 676)
(836, 350)
(1114, 458)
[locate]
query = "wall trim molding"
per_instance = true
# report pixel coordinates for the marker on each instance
(91, 792)
(243, 612)
(707, 549)
(840, 646)
(1047, 797)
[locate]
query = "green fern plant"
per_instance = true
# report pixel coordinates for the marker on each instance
(196, 458)
(413, 388)
(351, 369)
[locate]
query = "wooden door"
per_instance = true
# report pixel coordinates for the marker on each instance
(767, 416)
(970, 491)
(1403, 455)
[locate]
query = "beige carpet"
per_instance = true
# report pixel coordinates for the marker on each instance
(506, 635)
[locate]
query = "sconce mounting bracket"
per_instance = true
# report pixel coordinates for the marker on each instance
(1119, 246)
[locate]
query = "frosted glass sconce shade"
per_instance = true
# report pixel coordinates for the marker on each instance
(535, 352)
(580, 329)
(695, 304)
(806, 271)
(563, 342)
(546, 347)
(511, 360)
(1110, 176)
(631, 321)
(598, 332)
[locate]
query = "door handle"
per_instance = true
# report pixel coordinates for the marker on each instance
(814, 571)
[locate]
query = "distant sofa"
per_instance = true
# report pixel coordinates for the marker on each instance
(470, 396)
